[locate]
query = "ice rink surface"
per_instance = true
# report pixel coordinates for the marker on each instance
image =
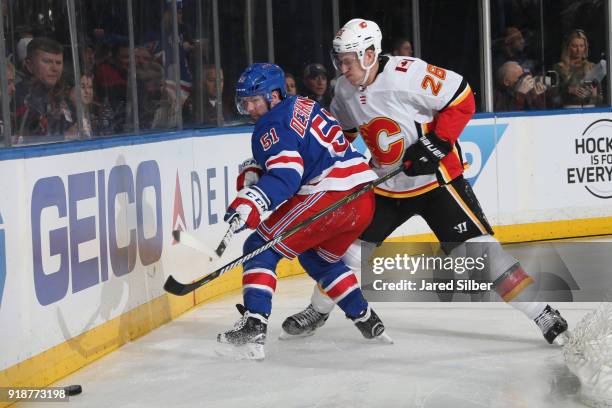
(445, 355)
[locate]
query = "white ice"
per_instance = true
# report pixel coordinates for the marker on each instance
(445, 355)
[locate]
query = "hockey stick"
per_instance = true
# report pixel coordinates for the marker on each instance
(227, 237)
(180, 289)
(192, 242)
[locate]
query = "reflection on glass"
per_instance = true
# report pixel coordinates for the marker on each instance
(244, 41)
(447, 41)
(10, 80)
(546, 55)
(295, 49)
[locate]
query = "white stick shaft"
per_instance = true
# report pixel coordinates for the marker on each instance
(194, 243)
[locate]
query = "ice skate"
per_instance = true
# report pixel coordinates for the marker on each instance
(303, 324)
(553, 326)
(247, 337)
(371, 327)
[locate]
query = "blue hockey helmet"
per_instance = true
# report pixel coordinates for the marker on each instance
(260, 79)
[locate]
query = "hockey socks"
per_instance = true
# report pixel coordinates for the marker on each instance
(259, 277)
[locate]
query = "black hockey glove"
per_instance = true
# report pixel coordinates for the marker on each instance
(423, 156)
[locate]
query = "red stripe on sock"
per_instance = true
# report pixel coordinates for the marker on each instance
(342, 286)
(259, 279)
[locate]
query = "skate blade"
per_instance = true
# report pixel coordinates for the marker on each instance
(249, 351)
(286, 336)
(562, 339)
(384, 338)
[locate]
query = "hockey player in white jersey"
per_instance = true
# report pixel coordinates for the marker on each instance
(409, 111)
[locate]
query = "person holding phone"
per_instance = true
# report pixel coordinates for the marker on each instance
(575, 91)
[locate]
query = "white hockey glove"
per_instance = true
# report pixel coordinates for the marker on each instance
(248, 207)
(424, 156)
(250, 172)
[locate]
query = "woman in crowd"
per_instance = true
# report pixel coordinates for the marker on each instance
(577, 89)
(89, 106)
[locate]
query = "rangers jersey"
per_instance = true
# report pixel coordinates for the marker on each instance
(303, 151)
(407, 98)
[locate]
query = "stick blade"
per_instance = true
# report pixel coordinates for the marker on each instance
(192, 242)
(177, 288)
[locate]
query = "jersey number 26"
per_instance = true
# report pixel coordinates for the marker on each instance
(429, 81)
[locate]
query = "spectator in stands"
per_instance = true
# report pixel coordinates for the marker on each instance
(402, 47)
(518, 90)
(40, 98)
(210, 92)
(290, 84)
(10, 80)
(576, 86)
(150, 78)
(316, 83)
(112, 89)
(87, 102)
(512, 48)
(164, 53)
(89, 58)
(203, 102)
(165, 116)
(142, 56)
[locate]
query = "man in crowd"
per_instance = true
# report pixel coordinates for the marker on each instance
(518, 90)
(317, 84)
(112, 88)
(42, 108)
(402, 47)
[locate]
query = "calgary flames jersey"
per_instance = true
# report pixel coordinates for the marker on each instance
(408, 97)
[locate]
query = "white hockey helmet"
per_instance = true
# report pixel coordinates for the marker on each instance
(357, 36)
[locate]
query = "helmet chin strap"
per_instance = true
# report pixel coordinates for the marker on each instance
(367, 69)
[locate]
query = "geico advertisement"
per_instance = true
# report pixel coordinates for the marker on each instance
(82, 241)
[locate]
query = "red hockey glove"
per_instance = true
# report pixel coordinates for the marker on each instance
(250, 172)
(248, 207)
(424, 156)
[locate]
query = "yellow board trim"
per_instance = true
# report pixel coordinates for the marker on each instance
(63, 359)
(537, 231)
(59, 361)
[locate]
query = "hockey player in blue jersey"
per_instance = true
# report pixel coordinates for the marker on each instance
(306, 164)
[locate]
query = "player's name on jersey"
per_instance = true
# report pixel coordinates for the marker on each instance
(466, 285)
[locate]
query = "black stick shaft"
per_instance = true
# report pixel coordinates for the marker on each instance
(180, 289)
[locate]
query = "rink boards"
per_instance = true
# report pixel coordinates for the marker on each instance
(85, 227)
